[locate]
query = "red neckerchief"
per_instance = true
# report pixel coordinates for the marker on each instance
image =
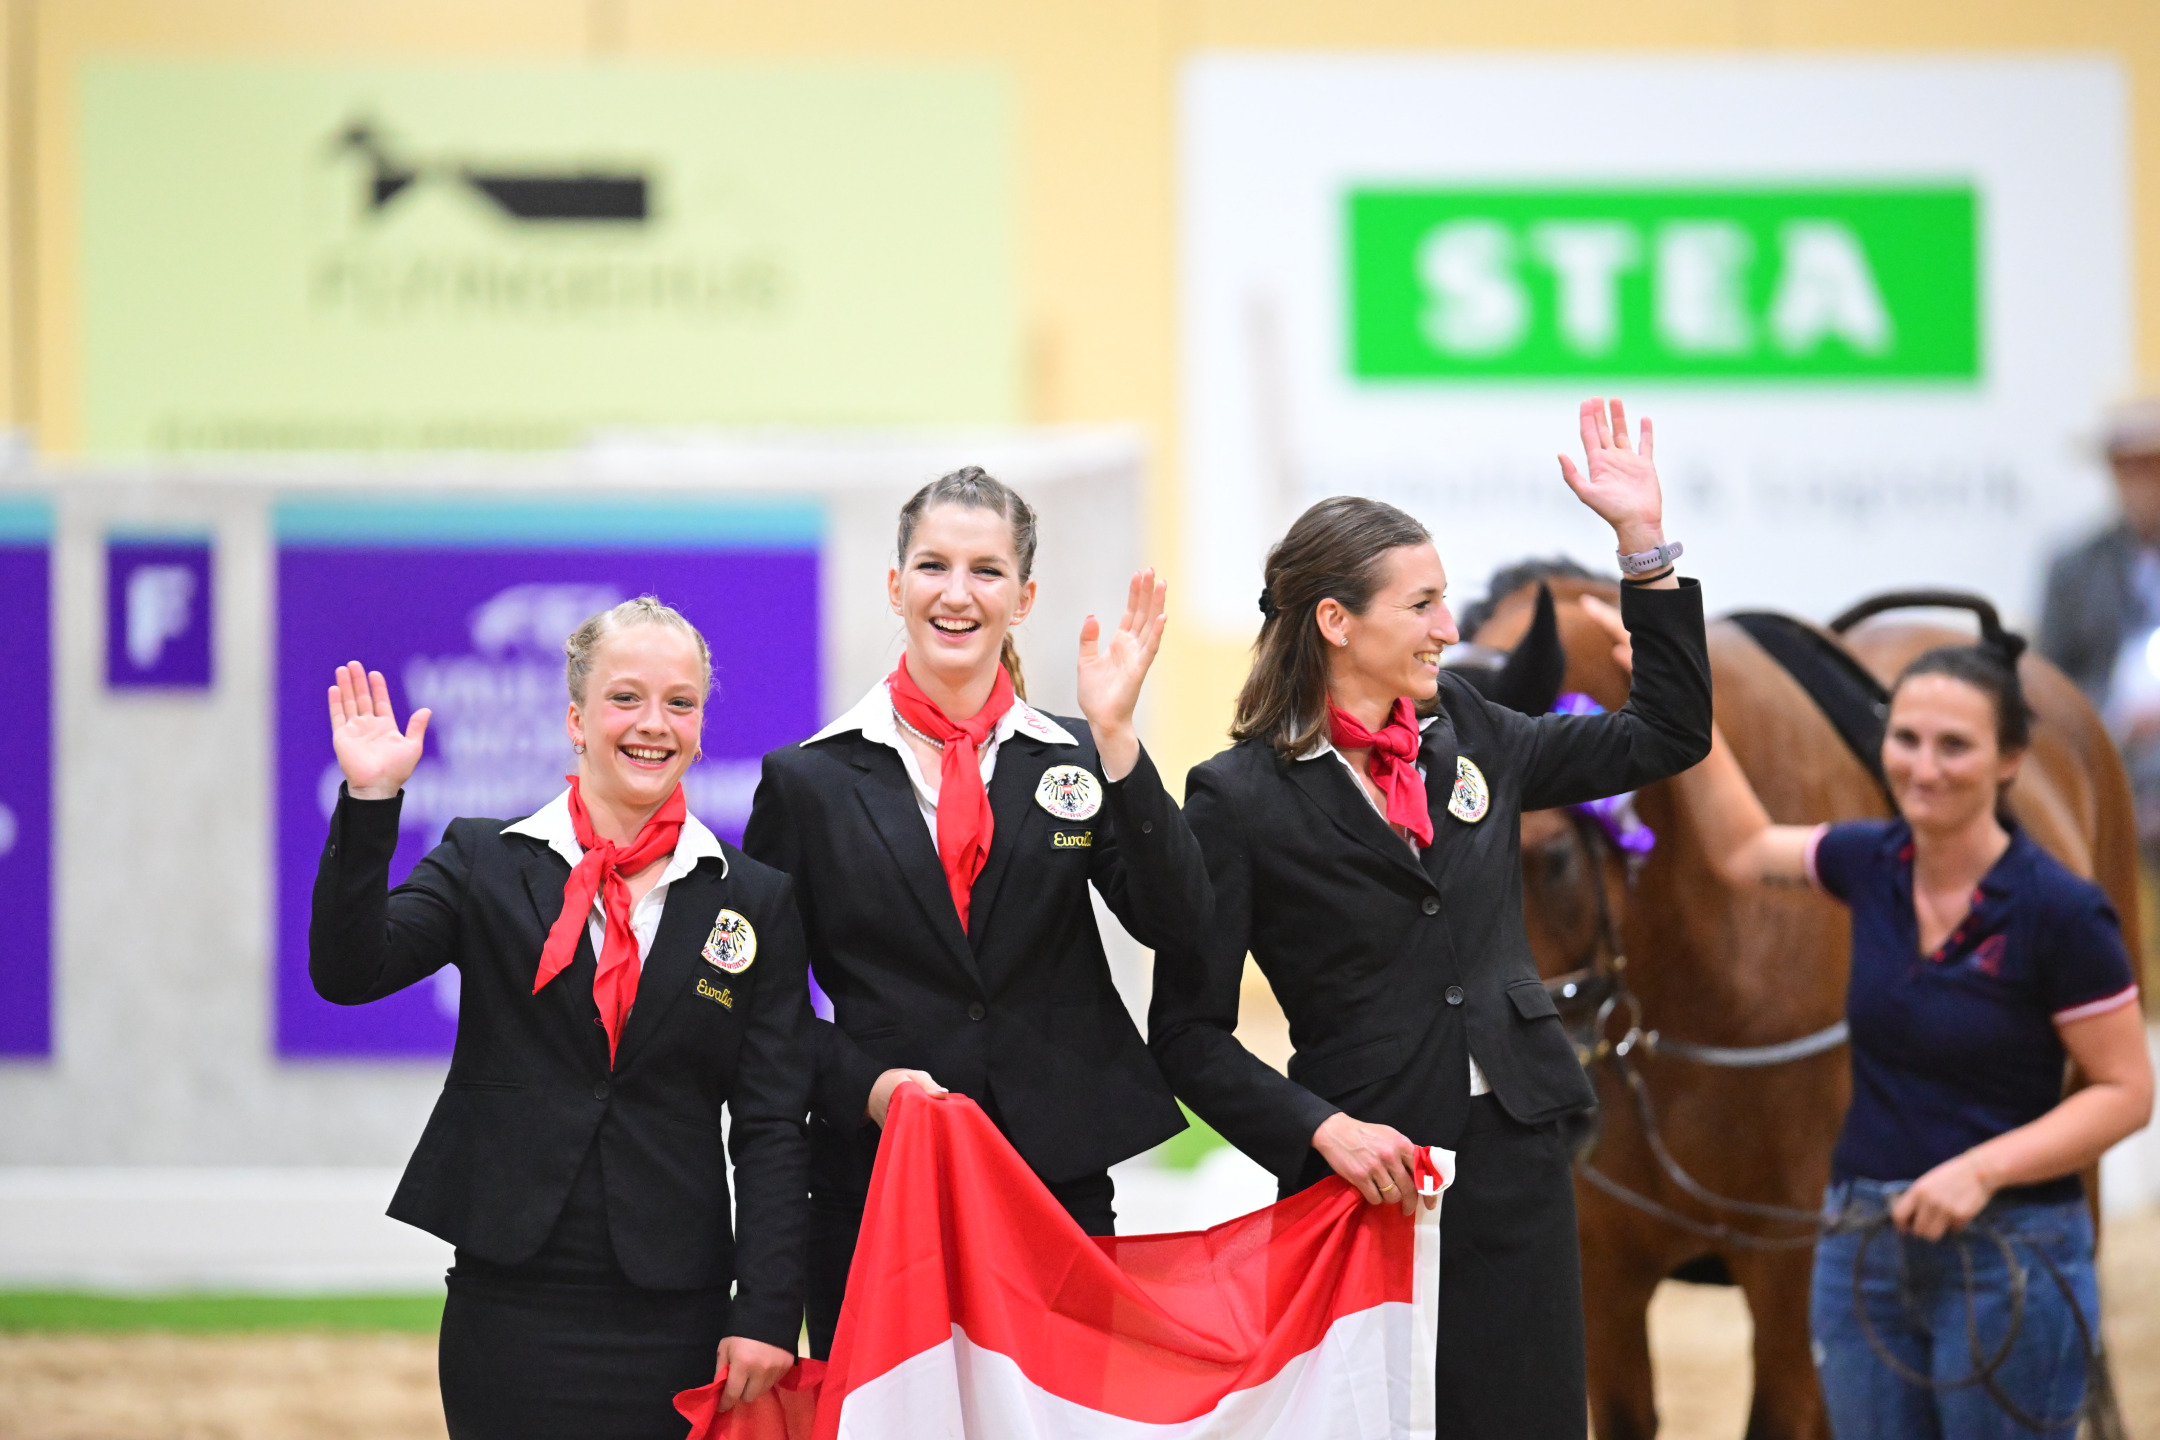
(600, 872)
(1392, 763)
(964, 822)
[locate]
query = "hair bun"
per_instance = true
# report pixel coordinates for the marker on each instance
(2004, 645)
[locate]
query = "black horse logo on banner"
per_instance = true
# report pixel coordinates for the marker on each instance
(530, 195)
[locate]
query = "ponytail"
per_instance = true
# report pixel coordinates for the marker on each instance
(1009, 657)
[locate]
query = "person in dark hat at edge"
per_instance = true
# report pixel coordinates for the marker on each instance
(2100, 620)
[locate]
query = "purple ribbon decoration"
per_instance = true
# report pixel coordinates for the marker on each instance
(1615, 814)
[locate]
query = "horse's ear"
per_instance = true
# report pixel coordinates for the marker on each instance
(1537, 666)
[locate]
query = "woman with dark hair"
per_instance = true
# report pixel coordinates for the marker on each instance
(1362, 841)
(943, 835)
(1979, 964)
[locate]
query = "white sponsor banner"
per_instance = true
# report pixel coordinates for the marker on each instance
(1761, 254)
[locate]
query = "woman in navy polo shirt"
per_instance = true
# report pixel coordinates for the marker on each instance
(1978, 964)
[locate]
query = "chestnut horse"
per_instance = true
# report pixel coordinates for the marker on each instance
(1711, 965)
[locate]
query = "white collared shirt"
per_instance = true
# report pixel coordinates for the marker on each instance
(874, 717)
(551, 824)
(1326, 746)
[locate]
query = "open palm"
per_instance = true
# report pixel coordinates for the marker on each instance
(1618, 480)
(376, 756)
(1112, 667)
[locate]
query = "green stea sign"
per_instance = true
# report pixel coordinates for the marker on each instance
(1739, 284)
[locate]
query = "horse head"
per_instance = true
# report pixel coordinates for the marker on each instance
(1531, 641)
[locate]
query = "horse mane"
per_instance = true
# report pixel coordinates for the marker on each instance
(1510, 578)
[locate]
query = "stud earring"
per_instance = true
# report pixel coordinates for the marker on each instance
(579, 748)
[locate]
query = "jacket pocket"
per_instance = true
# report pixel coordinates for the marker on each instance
(1532, 1000)
(1340, 1071)
(483, 1085)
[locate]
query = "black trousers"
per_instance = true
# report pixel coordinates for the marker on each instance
(564, 1347)
(840, 1168)
(1511, 1362)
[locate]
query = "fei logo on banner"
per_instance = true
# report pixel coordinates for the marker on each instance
(158, 613)
(464, 608)
(1876, 307)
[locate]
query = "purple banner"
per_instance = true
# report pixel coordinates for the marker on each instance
(475, 632)
(26, 784)
(158, 614)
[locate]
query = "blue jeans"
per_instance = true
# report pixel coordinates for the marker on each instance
(1925, 1312)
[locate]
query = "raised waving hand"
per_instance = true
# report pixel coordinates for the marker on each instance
(1618, 480)
(376, 756)
(1112, 668)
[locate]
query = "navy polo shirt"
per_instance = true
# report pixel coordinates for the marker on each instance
(1954, 1048)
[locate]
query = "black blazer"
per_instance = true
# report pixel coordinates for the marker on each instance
(1393, 969)
(1020, 1006)
(530, 1085)
(2092, 607)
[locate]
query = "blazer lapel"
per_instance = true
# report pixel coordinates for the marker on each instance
(1012, 793)
(677, 950)
(1437, 754)
(545, 875)
(889, 798)
(1328, 785)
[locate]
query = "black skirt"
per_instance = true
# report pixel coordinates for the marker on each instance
(1511, 1361)
(564, 1347)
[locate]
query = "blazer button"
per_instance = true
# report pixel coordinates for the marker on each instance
(1147, 827)
(976, 1011)
(1431, 905)
(1454, 994)
(600, 1088)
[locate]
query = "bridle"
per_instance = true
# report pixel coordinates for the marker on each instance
(1589, 996)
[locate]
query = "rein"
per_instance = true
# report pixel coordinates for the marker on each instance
(1986, 1365)
(1597, 990)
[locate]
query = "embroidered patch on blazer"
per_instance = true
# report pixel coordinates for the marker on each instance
(732, 944)
(720, 995)
(1072, 839)
(1471, 796)
(1069, 792)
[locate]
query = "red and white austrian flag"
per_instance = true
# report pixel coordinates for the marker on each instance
(976, 1308)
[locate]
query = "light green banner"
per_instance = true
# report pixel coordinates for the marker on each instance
(1740, 284)
(282, 256)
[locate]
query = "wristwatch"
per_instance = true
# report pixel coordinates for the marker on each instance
(1645, 562)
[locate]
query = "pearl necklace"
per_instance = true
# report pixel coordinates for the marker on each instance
(933, 744)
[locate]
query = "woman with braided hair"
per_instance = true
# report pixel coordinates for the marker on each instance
(625, 976)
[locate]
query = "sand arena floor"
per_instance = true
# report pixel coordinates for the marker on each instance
(341, 1387)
